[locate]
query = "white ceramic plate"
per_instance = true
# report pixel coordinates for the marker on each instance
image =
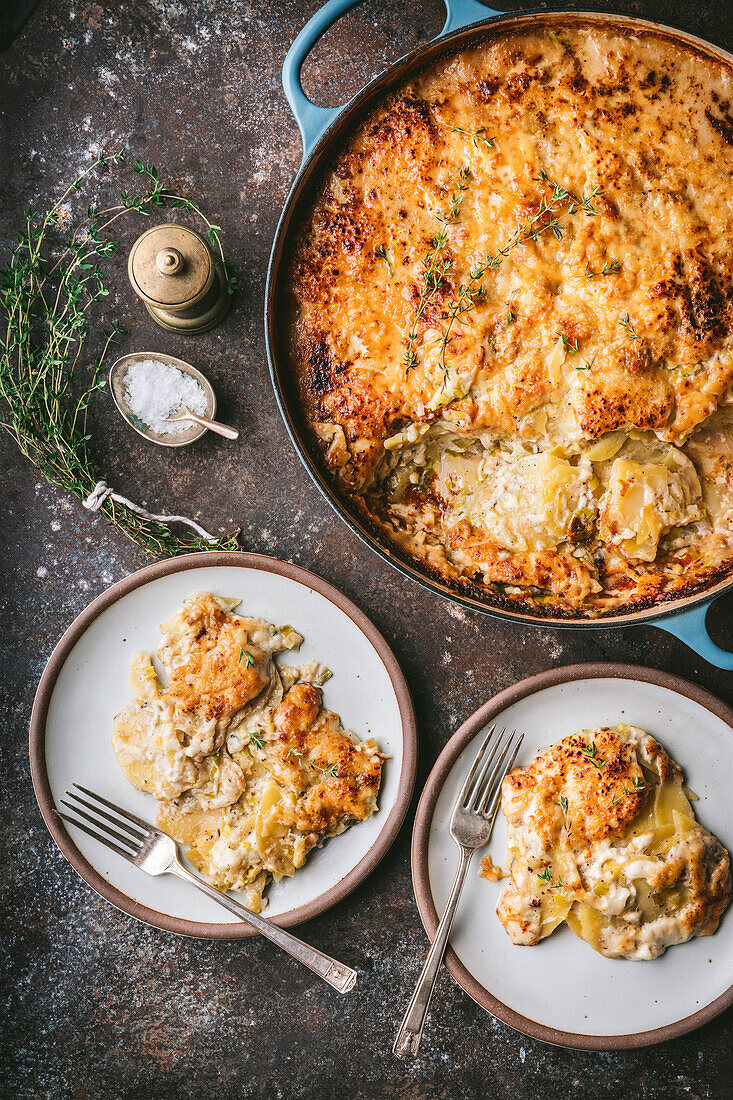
(561, 990)
(86, 683)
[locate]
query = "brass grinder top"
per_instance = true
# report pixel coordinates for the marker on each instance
(171, 268)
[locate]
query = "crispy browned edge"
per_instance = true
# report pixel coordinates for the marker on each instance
(42, 787)
(421, 838)
(463, 586)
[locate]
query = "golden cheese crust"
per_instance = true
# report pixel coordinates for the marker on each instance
(222, 670)
(602, 835)
(529, 249)
(335, 778)
(250, 772)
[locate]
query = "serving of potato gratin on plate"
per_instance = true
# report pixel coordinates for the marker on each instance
(512, 323)
(249, 770)
(602, 835)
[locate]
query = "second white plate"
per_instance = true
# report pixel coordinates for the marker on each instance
(561, 990)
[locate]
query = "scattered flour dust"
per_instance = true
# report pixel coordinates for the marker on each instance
(155, 390)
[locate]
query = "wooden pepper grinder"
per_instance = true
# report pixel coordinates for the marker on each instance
(171, 268)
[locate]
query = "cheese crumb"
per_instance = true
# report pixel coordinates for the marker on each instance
(490, 871)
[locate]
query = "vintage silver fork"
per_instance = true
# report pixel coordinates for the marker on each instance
(470, 827)
(156, 853)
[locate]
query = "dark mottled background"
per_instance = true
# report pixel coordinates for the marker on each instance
(98, 1007)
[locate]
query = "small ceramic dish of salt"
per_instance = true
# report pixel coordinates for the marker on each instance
(165, 399)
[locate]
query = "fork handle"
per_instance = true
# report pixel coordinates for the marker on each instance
(407, 1043)
(341, 977)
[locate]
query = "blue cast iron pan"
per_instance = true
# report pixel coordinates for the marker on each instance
(324, 129)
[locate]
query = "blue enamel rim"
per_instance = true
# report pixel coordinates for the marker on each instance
(321, 128)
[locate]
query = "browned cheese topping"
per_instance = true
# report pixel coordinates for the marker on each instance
(513, 332)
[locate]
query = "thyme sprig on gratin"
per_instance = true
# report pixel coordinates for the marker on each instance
(563, 803)
(329, 772)
(568, 346)
(453, 214)
(627, 326)
(637, 783)
(610, 267)
(476, 136)
(382, 254)
(435, 270)
(48, 289)
(544, 220)
(436, 267)
(562, 194)
(590, 752)
(545, 878)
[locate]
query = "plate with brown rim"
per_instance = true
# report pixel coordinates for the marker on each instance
(561, 991)
(85, 684)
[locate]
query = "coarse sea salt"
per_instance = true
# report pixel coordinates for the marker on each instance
(155, 390)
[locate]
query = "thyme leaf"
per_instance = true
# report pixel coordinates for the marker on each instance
(545, 879)
(590, 752)
(248, 658)
(570, 349)
(610, 267)
(452, 217)
(476, 136)
(637, 784)
(628, 328)
(435, 268)
(382, 254)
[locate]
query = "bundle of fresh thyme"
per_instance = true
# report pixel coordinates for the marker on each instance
(46, 304)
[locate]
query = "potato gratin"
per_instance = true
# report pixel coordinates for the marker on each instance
(602, 835)
(249, 770)
(513, 320)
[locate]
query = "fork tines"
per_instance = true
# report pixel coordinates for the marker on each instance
(481, 791)
(129, 832)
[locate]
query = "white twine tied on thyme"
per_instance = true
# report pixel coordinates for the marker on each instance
(102, 492)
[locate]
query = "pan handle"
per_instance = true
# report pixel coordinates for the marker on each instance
(459, 13)
(313, 120)
(689, 627)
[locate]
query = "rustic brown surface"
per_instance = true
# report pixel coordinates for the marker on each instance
(96, 1005)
